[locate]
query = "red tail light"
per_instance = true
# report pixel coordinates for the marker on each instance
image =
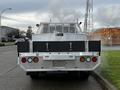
(35, 59)
(94, 59)
(82, 59)
(23, 60)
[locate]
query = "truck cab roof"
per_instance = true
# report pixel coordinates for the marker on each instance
(59, 27)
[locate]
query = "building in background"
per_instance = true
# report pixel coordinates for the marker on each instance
(109, 36)
(6, 33)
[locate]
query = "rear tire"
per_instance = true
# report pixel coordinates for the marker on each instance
(84, 75)
(36, 75)
(33, 75)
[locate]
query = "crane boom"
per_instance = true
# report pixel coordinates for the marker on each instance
(88, 22)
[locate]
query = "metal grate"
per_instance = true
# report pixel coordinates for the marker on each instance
(59, 46)
(94, 46)
(23, 46)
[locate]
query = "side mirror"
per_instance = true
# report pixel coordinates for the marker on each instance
(37, 25)
(80, 23)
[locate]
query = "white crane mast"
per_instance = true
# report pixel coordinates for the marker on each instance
(88, 23)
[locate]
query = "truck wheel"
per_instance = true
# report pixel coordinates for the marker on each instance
(84, 75)
(34, 75)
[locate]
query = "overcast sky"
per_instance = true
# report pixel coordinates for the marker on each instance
(30, 12)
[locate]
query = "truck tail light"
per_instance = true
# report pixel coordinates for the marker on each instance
(94, 59)
(29, 60)
(23, 60)
(82, 59)
(88, 59)
(35, 59)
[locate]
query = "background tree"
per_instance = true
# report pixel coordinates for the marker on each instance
(14, 33)
(29, 32)
(22, 34)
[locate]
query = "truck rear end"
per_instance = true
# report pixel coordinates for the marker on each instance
(57, 52)
(59, 56)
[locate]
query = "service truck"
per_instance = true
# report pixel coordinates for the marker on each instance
(60, 47)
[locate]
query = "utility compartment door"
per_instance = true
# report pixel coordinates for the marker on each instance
(59, 46)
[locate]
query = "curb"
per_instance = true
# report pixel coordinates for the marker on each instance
(104, 83)
(7, 45)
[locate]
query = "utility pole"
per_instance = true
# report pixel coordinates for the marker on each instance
(2, 13)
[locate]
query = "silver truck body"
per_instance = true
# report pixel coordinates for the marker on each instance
(59, 60)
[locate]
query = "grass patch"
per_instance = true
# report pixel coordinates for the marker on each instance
(6, 43)
(111, 67)
(1, 44)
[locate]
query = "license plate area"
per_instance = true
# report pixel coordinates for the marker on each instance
(59, 63)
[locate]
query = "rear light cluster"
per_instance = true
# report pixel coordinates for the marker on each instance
(88, 59)
(30, 59)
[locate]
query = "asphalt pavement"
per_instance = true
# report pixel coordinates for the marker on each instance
(110, 48)
(16, 78)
